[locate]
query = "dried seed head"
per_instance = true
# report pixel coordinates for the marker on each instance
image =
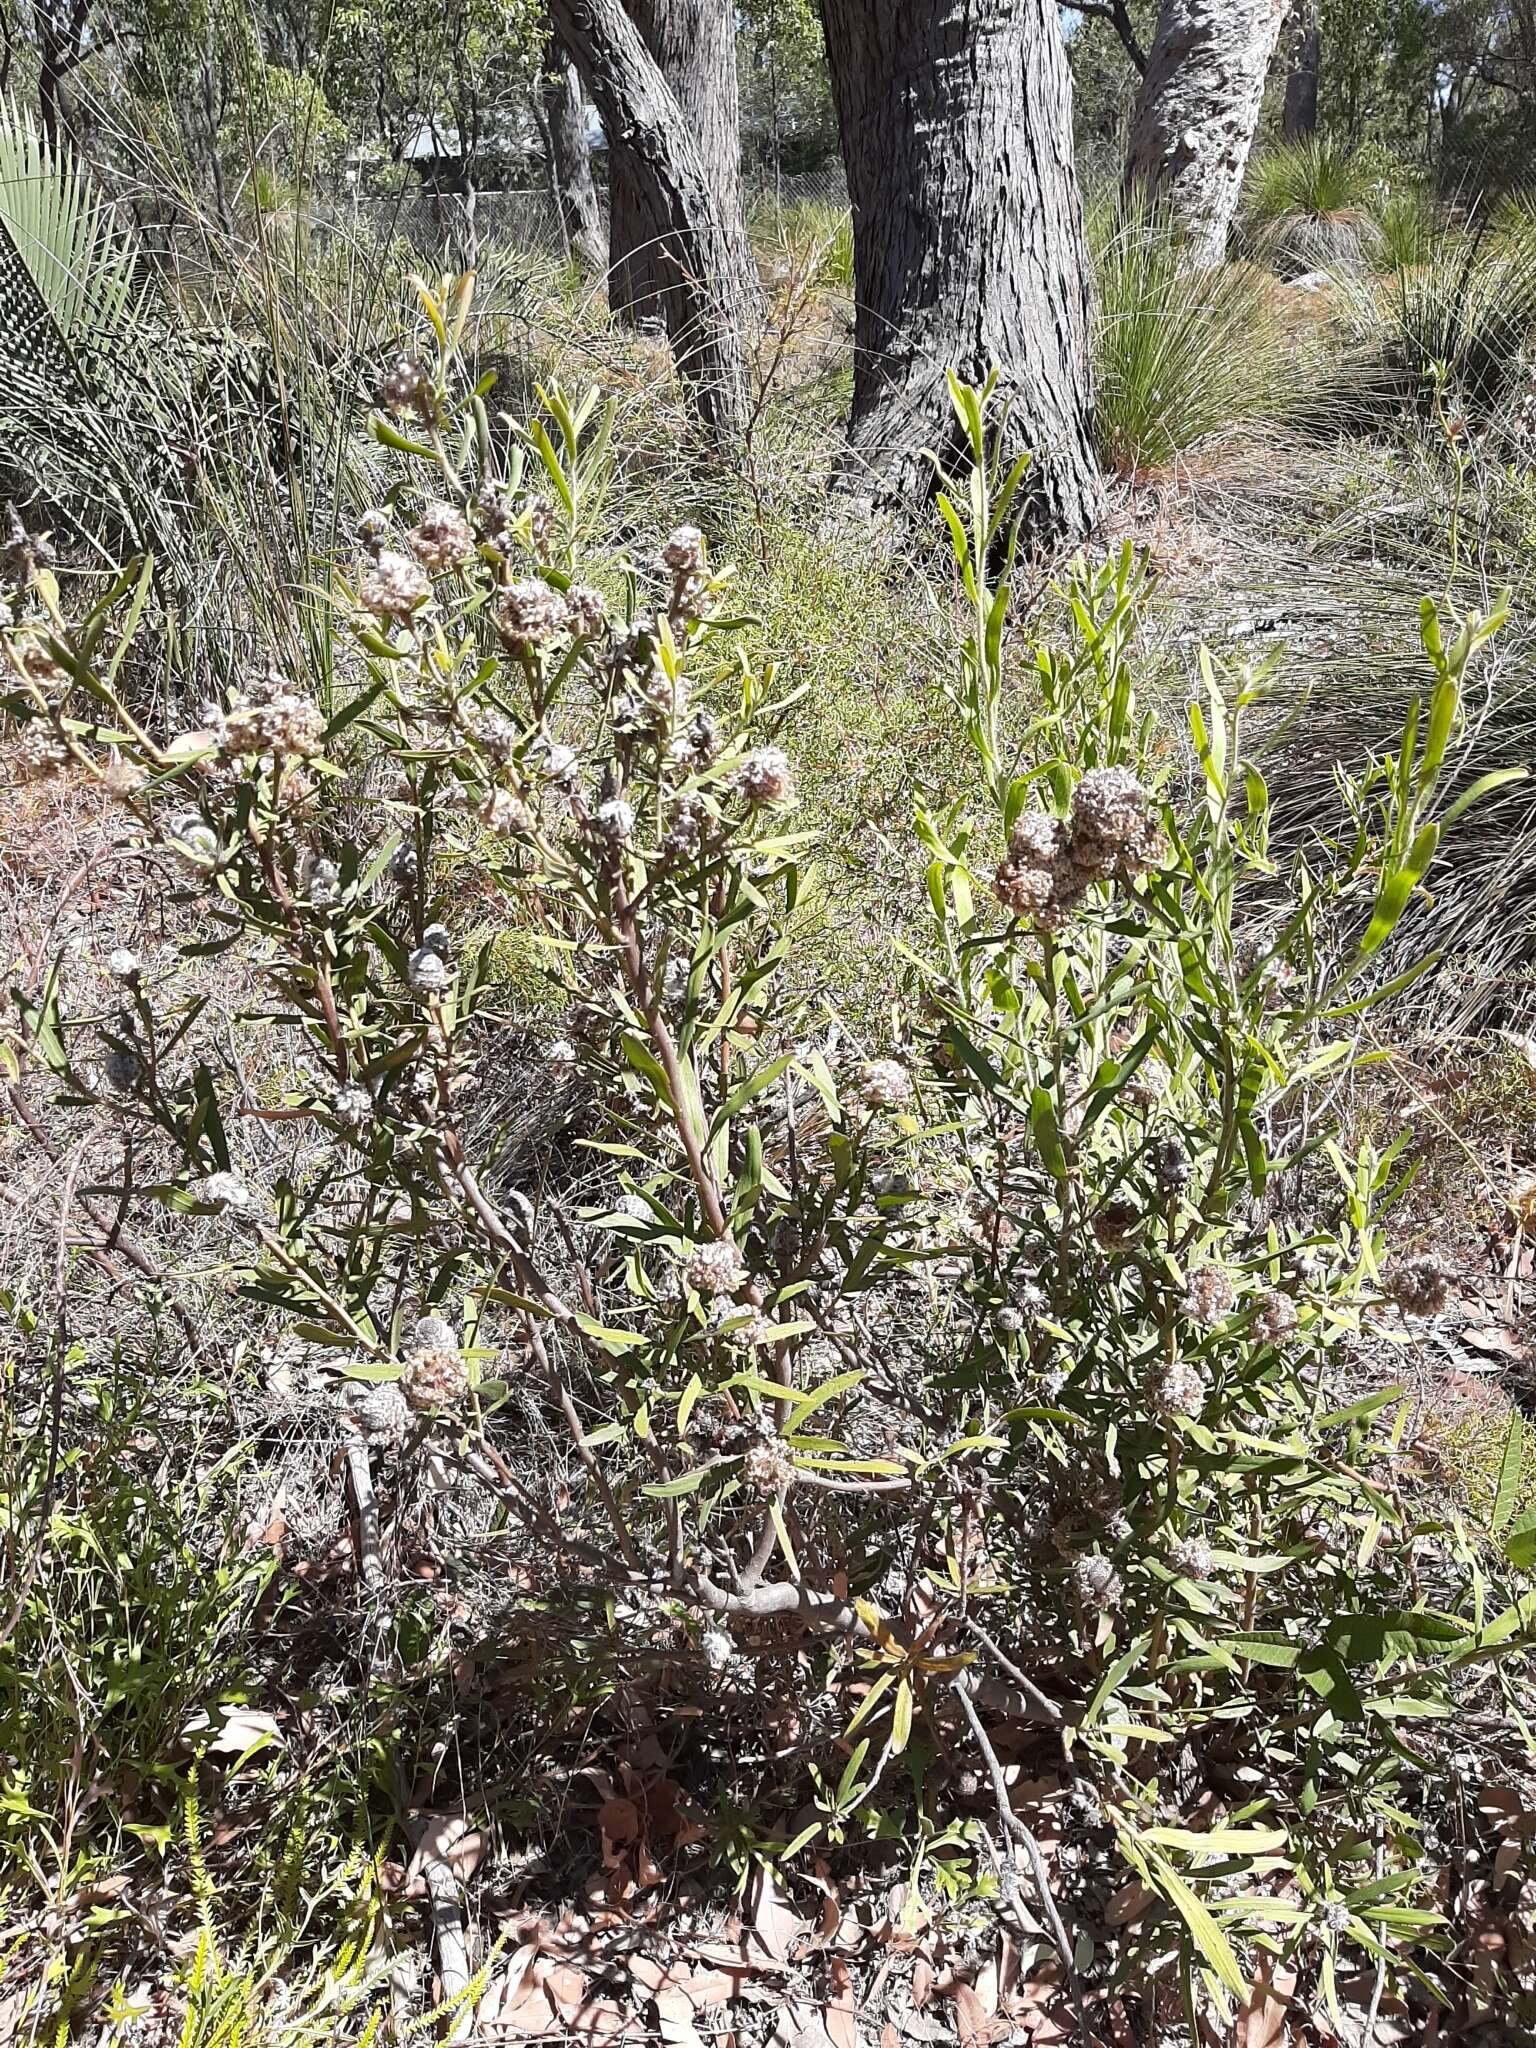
(1420, 1286)
(1209, 1296)
(393, 586)
(768, 1466)
(122, 1070)
(1275, 1317)
(885, 1084)
(561, 765)
(497, 735)
(434, 1377)
(541, 526)
(715, 1268)
(37, 753)
(532, 614)
(764, 777)
(442, 540)
(682, 833)
(280, 723)
(1179, 1389)
(1008, 1322)
(429, 972)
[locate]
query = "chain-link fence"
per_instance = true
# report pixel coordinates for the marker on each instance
(439, 223)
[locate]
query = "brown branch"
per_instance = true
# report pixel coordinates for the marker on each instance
(1117, 14)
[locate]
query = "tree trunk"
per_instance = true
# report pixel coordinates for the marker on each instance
(694, 43)
(1299, 118)
(708, 295)
(1198, 108)
(570, 164)
(956, 123)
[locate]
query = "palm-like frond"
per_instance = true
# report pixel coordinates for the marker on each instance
(67, 275)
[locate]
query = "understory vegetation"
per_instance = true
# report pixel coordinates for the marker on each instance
(750, 1269)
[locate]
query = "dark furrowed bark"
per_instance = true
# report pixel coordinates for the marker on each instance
(705, 297)
(956, 126)
(694, 45)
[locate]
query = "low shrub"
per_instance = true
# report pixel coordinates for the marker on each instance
(980, 1377)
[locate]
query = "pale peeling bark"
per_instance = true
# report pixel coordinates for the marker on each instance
(1198, 108)
(705, 300)
(570, 164)
(956, 123)
(694, 44)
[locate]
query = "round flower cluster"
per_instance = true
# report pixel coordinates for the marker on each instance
(1179, 1389)
(1097, 1585)
(1117, 1222)
(280, 723)
(1420, 1286)
(373, 529)
(504, 813)
(768, 1466)
(495, 733)
(352, 1106)
(393, 586)
(441, 539)
(588, 610)
(227, 1192)
(428, 971)
(320, 880)
(382, 1413)
(715, 1268)
(541, 527)
(405, 386)
(1209, 1296)
(885, 1084)
(683, 554)
(1051, 861)
(764, 777)
(718, 1647)
(532, 614)
(1191, 1557)
(1275, 1318)
(434, 1376)
(616, 820)
(1114, 828)
(125, 966)
(38, 753)
(1171, 1165)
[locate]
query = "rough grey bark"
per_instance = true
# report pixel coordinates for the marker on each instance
(570, 164)
(1197, 110)
(706, 299)
(956, 123)
(1299, 117)
(694, 43)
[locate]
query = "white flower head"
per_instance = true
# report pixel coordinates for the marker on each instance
(227, 1192)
